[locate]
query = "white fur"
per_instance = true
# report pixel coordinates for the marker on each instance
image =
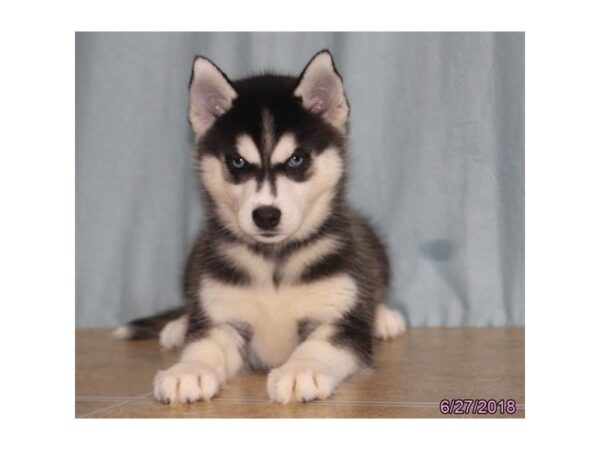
(268, 130)
(247, 149)
(259, 268)
(172, 336)
(273, 312)
(204, 367)
(316, 194)
(388, 323)
(284, 149)
(123, 332)
(249, 197)
(313, 371)
(222, 192)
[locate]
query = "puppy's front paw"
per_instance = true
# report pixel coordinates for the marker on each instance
(187, 383)
(297, 383)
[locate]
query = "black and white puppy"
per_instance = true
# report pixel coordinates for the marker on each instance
(285, 276)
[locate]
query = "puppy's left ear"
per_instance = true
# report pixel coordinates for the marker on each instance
(321, 90)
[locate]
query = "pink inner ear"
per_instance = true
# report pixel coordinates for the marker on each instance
(318, 101)
(217, 104)
(316, 108)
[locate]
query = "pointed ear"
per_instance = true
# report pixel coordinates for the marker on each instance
(211, 95)
(321, 90)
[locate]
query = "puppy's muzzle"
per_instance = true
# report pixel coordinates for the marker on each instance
(266, 217)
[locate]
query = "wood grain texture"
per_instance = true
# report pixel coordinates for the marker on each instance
(409, 378)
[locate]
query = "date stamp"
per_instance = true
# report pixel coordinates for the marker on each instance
(477, 406)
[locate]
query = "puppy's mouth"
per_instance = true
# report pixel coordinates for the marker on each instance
(269, 237)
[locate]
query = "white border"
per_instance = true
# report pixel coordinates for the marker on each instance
(562, 187)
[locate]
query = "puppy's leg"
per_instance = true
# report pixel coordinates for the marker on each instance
(204, 367)
(388, 323)
(314, 369)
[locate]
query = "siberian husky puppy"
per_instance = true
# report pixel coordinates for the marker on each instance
(285, 277)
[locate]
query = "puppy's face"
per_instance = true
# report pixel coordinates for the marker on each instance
(271, 148)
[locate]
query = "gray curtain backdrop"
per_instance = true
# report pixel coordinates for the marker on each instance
(437, 138)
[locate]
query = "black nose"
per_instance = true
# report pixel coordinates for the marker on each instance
(266, 217)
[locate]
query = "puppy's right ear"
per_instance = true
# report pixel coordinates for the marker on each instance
(210, 94)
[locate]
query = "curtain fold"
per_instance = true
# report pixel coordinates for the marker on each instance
(437, 143)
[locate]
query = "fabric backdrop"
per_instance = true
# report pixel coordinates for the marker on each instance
(437, 143)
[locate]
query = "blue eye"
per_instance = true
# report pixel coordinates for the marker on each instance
(237, 162)
(295, 161)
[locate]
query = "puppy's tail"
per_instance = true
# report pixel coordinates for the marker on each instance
(148, 327)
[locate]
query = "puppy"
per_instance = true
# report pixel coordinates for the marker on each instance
(285, 277)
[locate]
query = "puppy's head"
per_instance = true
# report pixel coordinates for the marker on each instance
(271, 149)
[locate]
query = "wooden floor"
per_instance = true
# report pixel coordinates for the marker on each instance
(411, 376)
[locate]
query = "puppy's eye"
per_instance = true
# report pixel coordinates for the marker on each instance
(295, 161)
(236, 163)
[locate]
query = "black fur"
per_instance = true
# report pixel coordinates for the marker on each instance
(149, 327)
(305, 328)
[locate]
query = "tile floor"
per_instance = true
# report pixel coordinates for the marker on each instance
(410, 377)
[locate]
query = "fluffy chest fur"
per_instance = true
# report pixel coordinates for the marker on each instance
(276, 301)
